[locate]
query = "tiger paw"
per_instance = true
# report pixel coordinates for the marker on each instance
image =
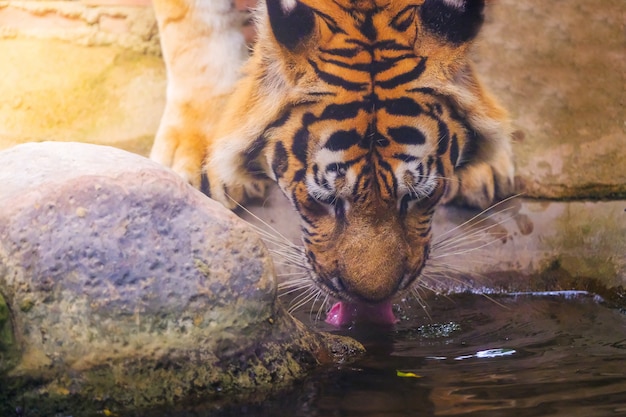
(229, 193)
(174, 150)
(481, 184)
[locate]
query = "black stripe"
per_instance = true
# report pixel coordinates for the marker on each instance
(342, 140)
(470, 147)
(300, 146)
(280, 160)
(367, 27)
(299, 175)
(342, 167)
(391, 61)
(339, 167)
(363, 67)
(311, 256)
(423, 90)
(403, 20)
(404, 78)
(429, 163)
(454, 151)
(362, 182)
(308, 118)
(336, 80)
(403, 106)
(205, 185)
(435, 109)
(382, 65)
(393, 187)
(342, 52)
(380, 140)
(342, 111)
(404, 204)
(298, 208)
(320, 94)
(420, 172)
(252, 152)
(440, 169)
(307, 219)
(330, 22)
(405, 157)
(282, 119)
(407, 135)
(444, 138)
(391, 45)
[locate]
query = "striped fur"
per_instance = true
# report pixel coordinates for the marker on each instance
(367, 114)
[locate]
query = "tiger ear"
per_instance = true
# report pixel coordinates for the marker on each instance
(456, 21)
(292, 22)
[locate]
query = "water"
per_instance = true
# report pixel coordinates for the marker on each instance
(551, 354)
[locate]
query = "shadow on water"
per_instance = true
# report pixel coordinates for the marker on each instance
(543, 354)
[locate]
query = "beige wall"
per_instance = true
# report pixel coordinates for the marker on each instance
(91, 71)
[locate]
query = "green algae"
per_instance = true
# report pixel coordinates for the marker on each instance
(8, 346)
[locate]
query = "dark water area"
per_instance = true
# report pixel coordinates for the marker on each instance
(543, 354)
(550, 354)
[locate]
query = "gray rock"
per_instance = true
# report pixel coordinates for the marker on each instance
(125, 283)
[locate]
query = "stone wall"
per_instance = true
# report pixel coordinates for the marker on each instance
(80, 71)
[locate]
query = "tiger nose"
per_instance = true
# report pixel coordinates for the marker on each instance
(373, 292)
(373, 286)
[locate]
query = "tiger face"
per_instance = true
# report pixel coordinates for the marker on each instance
(368, 115)
(371, 146)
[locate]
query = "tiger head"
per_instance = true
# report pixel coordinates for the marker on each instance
(373, 108)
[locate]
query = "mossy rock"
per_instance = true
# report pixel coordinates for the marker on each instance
(128, 289)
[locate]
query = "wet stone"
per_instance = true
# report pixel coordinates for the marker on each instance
(125, 286)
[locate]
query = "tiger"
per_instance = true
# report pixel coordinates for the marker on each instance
(367, 114)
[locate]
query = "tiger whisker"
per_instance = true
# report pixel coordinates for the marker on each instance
(472, 236)
(277, 235)
(437, 177)
(287, 256)
(450, 268)
(290, 264)
(420, 301)
(425, 288)
(322, 308)
(295, 280)
(466, 243)
(473, 218)
(283, 293)
(463, 251)
(303, 299)
(317, 297)
(292, 274)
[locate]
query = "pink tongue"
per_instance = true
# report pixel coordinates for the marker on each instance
(344, 313)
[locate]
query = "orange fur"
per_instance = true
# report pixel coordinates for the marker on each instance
(365, 190)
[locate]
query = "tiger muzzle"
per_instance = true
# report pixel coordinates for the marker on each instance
(375, 263)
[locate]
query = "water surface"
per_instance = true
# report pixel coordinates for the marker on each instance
(550, 354)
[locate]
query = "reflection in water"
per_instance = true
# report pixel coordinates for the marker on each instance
(549, 354)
